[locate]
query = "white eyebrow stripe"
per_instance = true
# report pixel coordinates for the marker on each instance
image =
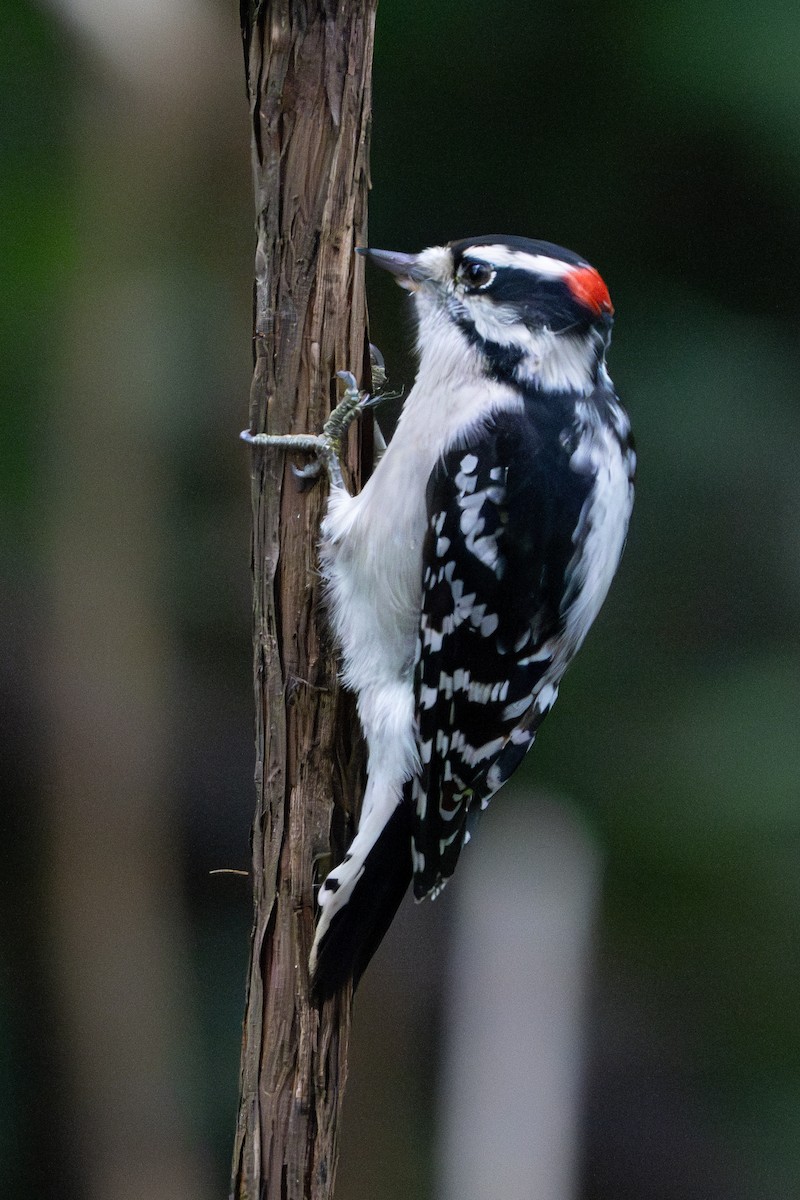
(505, 256)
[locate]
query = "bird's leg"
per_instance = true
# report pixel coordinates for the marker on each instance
(327, 445)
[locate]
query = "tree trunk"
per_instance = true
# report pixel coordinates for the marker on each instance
(308, 69)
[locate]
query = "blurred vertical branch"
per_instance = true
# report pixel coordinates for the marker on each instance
(308, 65)
(106, 652)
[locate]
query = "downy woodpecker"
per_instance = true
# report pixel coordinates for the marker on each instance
(467, 572)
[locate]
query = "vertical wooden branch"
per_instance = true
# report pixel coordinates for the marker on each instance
(308, 69)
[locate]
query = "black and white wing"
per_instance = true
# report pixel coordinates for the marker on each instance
(504, 531)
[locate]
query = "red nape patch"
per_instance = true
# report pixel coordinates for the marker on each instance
(587, 286)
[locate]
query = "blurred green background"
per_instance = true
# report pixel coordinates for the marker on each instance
(662, 142)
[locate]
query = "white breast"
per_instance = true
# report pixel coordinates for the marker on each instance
(372, 543)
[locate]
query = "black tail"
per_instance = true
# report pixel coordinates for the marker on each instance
(357, 929)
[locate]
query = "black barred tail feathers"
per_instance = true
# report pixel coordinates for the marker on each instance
(358, 901)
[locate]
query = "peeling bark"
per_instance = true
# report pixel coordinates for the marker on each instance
(308, 69)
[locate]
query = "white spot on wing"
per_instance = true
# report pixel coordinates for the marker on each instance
(433, 639)
(445, 842)
(477, 614)
(489, 624)
(466, 483)
(460, 679)
(474, 754)
(485, 550)
(471, 524)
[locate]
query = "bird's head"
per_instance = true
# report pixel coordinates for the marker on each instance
(523, 312)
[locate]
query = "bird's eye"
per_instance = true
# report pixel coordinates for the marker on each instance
(475, 275)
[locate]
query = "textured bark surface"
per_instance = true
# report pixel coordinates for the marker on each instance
(308, 69)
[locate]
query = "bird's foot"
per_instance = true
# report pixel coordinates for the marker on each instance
(325, 446)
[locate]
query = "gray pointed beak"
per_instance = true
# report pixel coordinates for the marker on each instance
(402, 266)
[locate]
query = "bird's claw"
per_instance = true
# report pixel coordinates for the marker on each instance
(306, 477)
(378, 366)
(349, 381)
(311, 470)
(325, 447)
